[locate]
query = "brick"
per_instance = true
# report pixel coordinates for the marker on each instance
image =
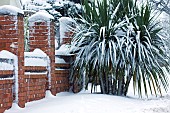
(7, 17)
(7, 22)
(2, 110)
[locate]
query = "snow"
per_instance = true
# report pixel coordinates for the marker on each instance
(58, 4)
(85, 102)
(8, 64)
(63, 50)
(33, 7)
(6, 54)
(36, 58)
(15, 106)
(41, 15)
(49, 71)
(47, 6)
(48, 94)
(11, 78)
(16, 78)
(36, 5)
(36, 73)
(40, 2)
(59, 60)
(78, 6)
(36, 53)
(10, 10)
(61, 69)
(65, 26)
(35, 62)
(55, 12)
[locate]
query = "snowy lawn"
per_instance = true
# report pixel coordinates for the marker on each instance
(85, 102)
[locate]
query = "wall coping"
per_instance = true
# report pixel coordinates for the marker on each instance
(41, 16)
(10, 10)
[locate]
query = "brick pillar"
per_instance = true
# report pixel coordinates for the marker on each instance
(67, 27)
(12, 39)
(41, 35)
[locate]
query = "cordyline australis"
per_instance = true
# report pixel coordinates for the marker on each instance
(118, 42)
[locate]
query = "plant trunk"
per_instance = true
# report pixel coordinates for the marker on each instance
(110, 84)
(120, 86)
(102, 84)
(114, 87)
(125, 90)
(107, 84)
(84, 80)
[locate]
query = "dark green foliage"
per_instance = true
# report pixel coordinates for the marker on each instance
(117, 43)
(67, 9)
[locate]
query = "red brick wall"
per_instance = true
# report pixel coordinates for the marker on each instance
(12, 33)
(36, 87)
(8, 32)
(63, 72)
(62, 76)
(35, 83)
(42, 36)
(68, 37)
(6, 94)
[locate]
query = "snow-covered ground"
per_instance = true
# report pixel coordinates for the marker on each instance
(85, 102)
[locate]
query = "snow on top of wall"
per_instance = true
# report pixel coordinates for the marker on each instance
(6, 54)
(35, 58)
(6, 66)
(66, 24)
(10, 10)
(35, 62)
(66, 20)
(41, 15)
(35, 53)
(59, 60)
(63, 50)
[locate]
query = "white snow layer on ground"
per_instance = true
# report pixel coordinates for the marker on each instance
(12, 10)
(85, 102)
